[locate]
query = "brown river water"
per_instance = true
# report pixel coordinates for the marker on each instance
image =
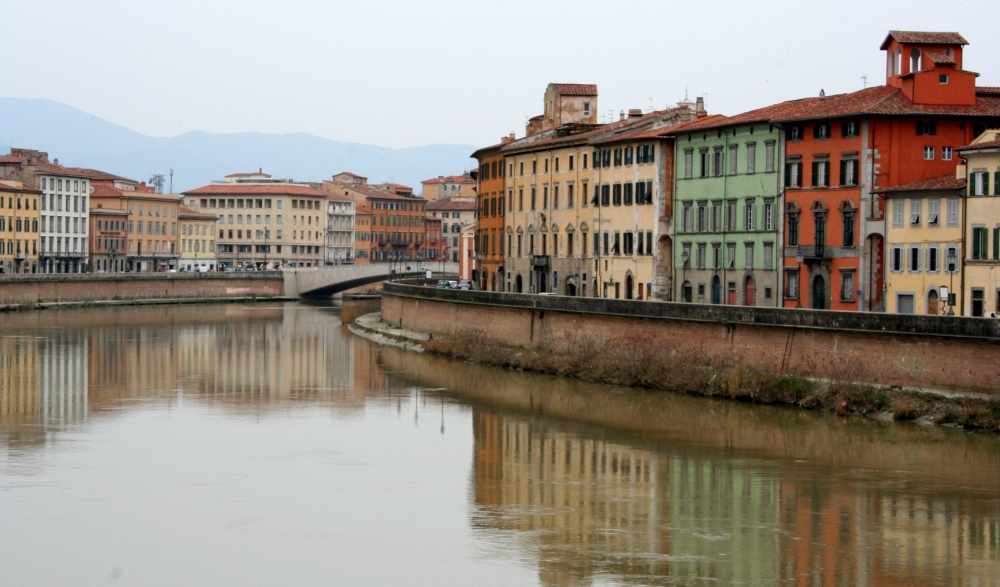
(266, 445)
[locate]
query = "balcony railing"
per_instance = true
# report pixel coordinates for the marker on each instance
(541, 261)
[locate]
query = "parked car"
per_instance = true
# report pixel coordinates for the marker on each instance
(442, 283)
(452, 285)
(465, 284)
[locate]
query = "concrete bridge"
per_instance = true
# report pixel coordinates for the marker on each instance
(318, 282)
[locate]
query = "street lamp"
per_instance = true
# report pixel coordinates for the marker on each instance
(685, 257)
(952, 261)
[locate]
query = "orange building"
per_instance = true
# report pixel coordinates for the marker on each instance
(490, 208)
(841, 149)
(151, 244)
(436, 246)
(397, 228)
(362, 235)
(108, 235)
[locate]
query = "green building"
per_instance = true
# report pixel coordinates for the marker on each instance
(727, 206)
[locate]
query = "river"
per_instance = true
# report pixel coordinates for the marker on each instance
(266, 445)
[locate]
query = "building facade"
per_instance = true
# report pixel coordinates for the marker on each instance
(197, 241)
(264, 222)
(339, 230)
(362, 234)
(727, 201)
(397, 227)
(490, 208)
(19, 227)
(924, 246)
(456, 215)
(448, 186)
(108, 239)
(152, 226)
(981, 266)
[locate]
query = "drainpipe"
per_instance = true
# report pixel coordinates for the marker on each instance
(961, 260)
(724, 286)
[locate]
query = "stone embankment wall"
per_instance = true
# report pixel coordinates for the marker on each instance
(886, 349)
(93, 287)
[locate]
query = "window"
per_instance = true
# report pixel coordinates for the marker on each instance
(933, 212)
(616, 194)
(850, 128)
(733, 159)
(946, 153)
(731, 215)
(928, 153)
(792, 284)
(768, 256)
(821, 131)
(717, 162)
(769, 156)
(628, 155)
(849, 172)
(751, 158)
(605, 195)
(716, 216)
(618, 157)
(702, 217)
(731, 255)
(914, 263)
(980, 183)
(943, 78)
(703, 159)
(795, 133)
(996, 247)
(768, 215)
(686, 255)
(627, 193)
(716, 256)
(586, 110)
(926, 128)
(700, 257)
(847, 285)
(569, 195)
(749, 209)
(821, 173)
(916, 207)
(896, 259)
(849, 228)
(688, 163)
(686, 220)
(793, 230)
(933, 259)
(952, 211)
(793, 174)
(980, 245)
(897, 213)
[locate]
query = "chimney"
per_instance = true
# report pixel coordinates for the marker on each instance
(699, 106)
(56, 162)
(635, 112)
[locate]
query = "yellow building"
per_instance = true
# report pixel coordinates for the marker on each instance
(197, 240)
(448, 186)
(981, 267)
(18, 227)
(923, 246)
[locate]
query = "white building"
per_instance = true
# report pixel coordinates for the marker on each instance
(339, 230)
(64, 225)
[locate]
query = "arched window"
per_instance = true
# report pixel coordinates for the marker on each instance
(914, 60)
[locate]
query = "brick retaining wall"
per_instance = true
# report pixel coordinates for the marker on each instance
(87, 287)
(888, 349)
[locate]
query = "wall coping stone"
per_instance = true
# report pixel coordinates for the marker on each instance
(861, 322)
(86, 277)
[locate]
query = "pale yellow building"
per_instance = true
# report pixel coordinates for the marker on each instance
(18, 227)
(197, 240)
(924, 246)
(448, 186)
(981, 267)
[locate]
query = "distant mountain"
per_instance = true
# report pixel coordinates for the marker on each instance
(79, 139)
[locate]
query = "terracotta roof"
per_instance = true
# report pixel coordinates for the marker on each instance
(484, 150)
(433, 218)
(50, 169)
(451, 179)
(449, 204)
(577, 89)
(532, 143)
(988, 91)
(942, 182)
(108, 211)
(371, 192)
(362, 211)
(258, 174)
(924, 38)
(277, 189)
(12, 159)
(980, 146)
(189, 214)
(100, 175)
(25, 189)
(646, 131)
(398, 186)
(897, 104)
(337, 197)
(939, 58)
(106, 191)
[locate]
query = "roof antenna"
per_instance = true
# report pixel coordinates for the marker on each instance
(864, 80)
(651, 104)
(822, 93)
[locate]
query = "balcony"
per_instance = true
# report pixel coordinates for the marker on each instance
(813, 253)
(540, 261)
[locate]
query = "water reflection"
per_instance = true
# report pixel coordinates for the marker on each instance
(580, 484)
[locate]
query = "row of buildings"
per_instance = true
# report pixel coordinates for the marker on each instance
(58, 219)
(882, 199)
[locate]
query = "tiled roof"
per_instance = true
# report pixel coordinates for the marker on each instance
(189, 214)
(449, 204)
(100, 175)
(531, 143)
(577, 89)
(50, 169)
(25, 188)
(897, 104)
(108, 212)
(647, 132)
(362, 211)
(980, 146)
(451, 179)
(103, 191)
(106, 191)
(939, 58)
(12, 159)
(258, 174)
(371, 192)
(988, 91)
(942, 182)
(278, 189)
(924, 38)
(478, 152)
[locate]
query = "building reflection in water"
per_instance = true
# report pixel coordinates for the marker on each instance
(590, 506)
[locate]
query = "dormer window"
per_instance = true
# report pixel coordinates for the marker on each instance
(943, 79)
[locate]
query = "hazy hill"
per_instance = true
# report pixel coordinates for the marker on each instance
(79, 139)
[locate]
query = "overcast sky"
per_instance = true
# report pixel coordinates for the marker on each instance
(402, 74)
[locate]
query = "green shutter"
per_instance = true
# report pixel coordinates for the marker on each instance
(996, 183)
(788, 175)
(996, 244)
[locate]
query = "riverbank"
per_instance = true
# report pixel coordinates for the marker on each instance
(631, 360)
(141, 302)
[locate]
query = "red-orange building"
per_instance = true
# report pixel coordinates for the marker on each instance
(839, 147)
(363, 235)
(489, 240)
(436, 245)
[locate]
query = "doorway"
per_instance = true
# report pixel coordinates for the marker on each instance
(716, 290)
(748, 292)
(732, 293)
(518, 285)
(628, 287)
(819, 293)
(932, 302)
